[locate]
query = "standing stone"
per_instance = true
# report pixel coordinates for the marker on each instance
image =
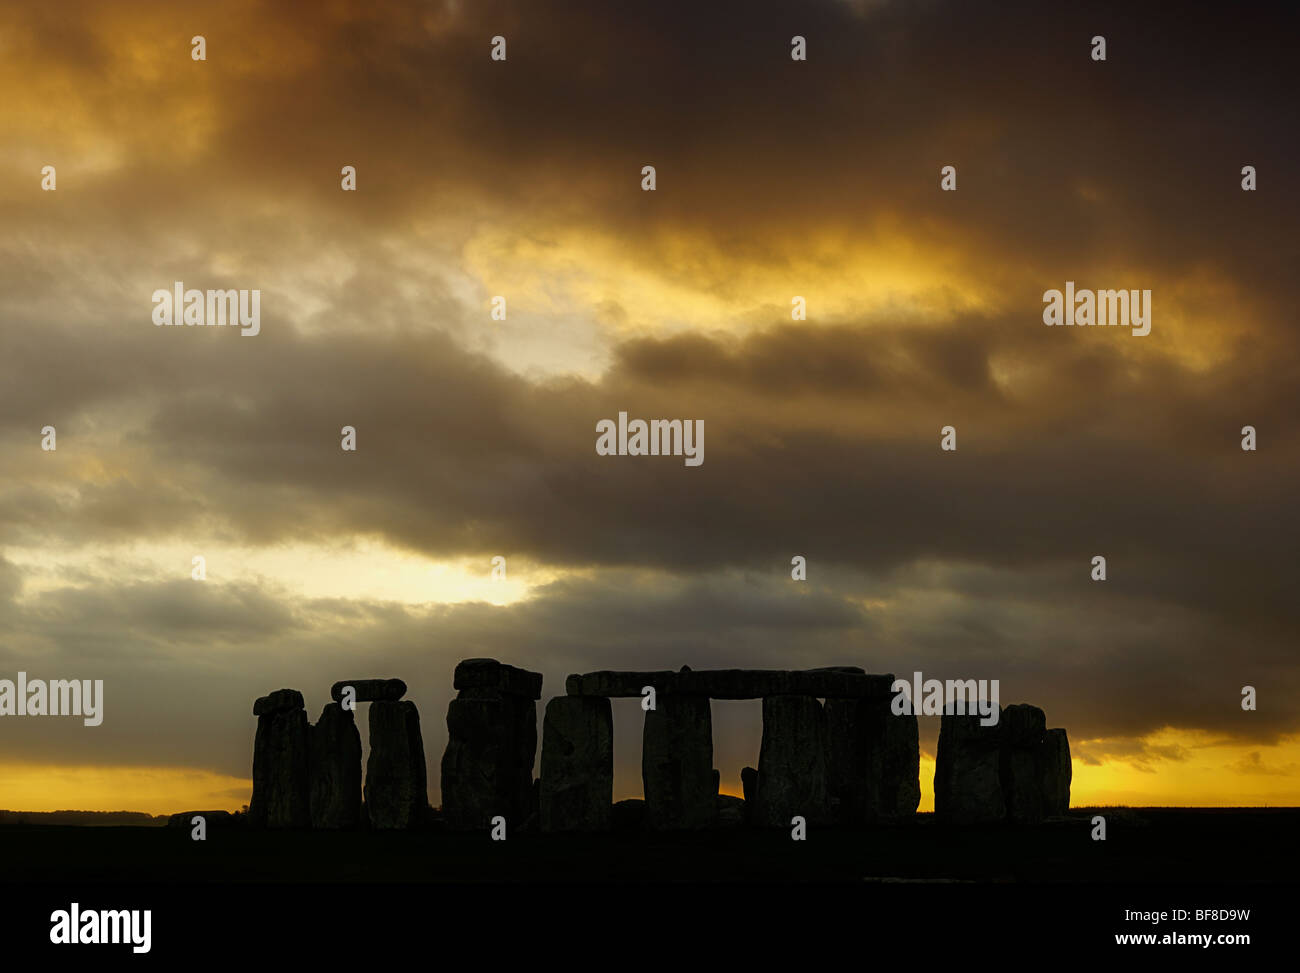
(335, 769)
(853, 763)
(899, 793)
(749, 788)
(792, 762)
(369, 690)
(874, 767)
(396, 786)
(967, 776)
(577, 790)
(1023, 729)
(677, 764)
(487, 768)
(281, 789)
(1055, 772)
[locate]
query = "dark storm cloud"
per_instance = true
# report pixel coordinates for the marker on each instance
(1060, 158)
(183, 662)
(821, 439)
(823, 442)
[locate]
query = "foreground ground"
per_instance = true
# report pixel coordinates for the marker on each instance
(1142, 845)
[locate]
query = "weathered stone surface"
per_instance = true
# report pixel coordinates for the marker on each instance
(335, 769)
(874, 760)
(1022, 725)
(369, 690)
(851, 725)
(1021, 785)
(1055, 771)
(280, 701)
(792, 762)
(967, 776)
(900, 772)
(1023, 729)
(396, 790)
(843, 681)
(577, 790)
(281, 788)
(677, 764)
(487, 768)
(497, 676)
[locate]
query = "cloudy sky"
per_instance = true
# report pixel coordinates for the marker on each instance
(522, 178)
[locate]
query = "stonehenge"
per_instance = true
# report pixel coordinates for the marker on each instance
(792, 762)
(334, 770)
(835, 750)
(967, 775)
(1055, 771)
(487, 768)
(1015, 770)
(396, 790)
(281, 796)
(677, 774)
(873, 761)
(307, 775)
(840, 681)
(848, 760)
(577, 792)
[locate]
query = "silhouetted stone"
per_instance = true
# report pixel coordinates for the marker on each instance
(677, 764)
(628, 815)
(281, 797)
(874, 764)
(577, 789)
(731, 811)
(1023, 729)
(497, 676)
(487, 768)
(396, 790)
(280, 701)
(717, 781)
(1055, 772)
(967, 776)
(792, 762)
(900, 772)
(749, 784)
(370, 690)
(335, 769)
(851, 726)
(843, 681)
(1022, 725)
